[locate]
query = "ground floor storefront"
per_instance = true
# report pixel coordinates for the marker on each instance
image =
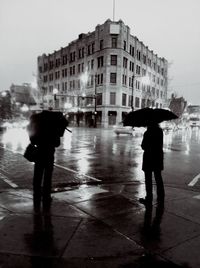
(102, 118)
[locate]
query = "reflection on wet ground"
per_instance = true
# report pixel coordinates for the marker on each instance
(102, 154)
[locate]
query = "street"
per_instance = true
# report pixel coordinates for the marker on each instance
(96, 219)
(100, 156)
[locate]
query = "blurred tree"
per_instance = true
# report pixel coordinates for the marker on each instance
(177, 105)
(5, 105)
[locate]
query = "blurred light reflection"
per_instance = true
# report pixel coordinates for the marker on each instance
(83, 165)
(66, 140)
(15, 139)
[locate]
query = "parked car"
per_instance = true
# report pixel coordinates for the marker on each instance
(120, 129)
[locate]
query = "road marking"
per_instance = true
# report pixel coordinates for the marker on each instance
(74, 171)
(59, 166)
(195, 180)
(196, 196)
(8, 181)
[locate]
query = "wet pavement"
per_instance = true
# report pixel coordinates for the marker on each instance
(94, 224)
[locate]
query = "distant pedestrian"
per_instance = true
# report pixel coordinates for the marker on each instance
(152, 144)
(45, 129)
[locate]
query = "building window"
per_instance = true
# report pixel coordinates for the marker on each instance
(92, 80)
(113, 59)
(143, 72)
(58, 62)
(45, 67)
(124, 45)
(92, 64)
(50, 65)
(65, 86)
(143, 104)
(72, 56)
(131, 50)
(101, 44)
(70, 71)
(125, 62)
(64, 59)
(137, 84)
(100, 62)
(88, 65)
(124, 79)
(113, 78)
(138, 55)
(79, 68)
(123, 99)
(114, 42)
(89, 49)
(99, 98)
(112, 98)
(131, 66)
(149, 62)
(101, 79)
(93, 44)
(79, 84)
(137, 102)
(144, 59)
(45, 78)
(79, 53)
(137, 69)
(57, 75)
(153, 91)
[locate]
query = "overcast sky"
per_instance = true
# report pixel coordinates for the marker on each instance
(171, 28)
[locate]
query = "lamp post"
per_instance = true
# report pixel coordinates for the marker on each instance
(133, 78)
(95, 101)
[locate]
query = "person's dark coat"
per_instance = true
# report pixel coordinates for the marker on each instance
(152, 145)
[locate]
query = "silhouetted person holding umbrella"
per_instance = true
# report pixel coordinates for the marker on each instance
(152, 144)
(45, 129)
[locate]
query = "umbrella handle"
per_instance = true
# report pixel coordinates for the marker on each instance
(68, 129)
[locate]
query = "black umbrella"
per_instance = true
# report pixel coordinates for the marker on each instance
(146, 116)
(161, 115)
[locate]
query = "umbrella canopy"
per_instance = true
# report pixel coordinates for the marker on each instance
(147, 116)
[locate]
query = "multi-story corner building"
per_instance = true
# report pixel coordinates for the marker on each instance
(100, 76)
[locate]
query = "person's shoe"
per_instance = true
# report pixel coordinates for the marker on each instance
(47, 203)
(36, 208)
(145, 201)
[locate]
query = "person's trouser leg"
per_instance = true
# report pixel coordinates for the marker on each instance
(148, 185)
(160, 186)
(47, 183)
(37, 181)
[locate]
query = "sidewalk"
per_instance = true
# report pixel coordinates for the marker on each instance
(100, 226)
